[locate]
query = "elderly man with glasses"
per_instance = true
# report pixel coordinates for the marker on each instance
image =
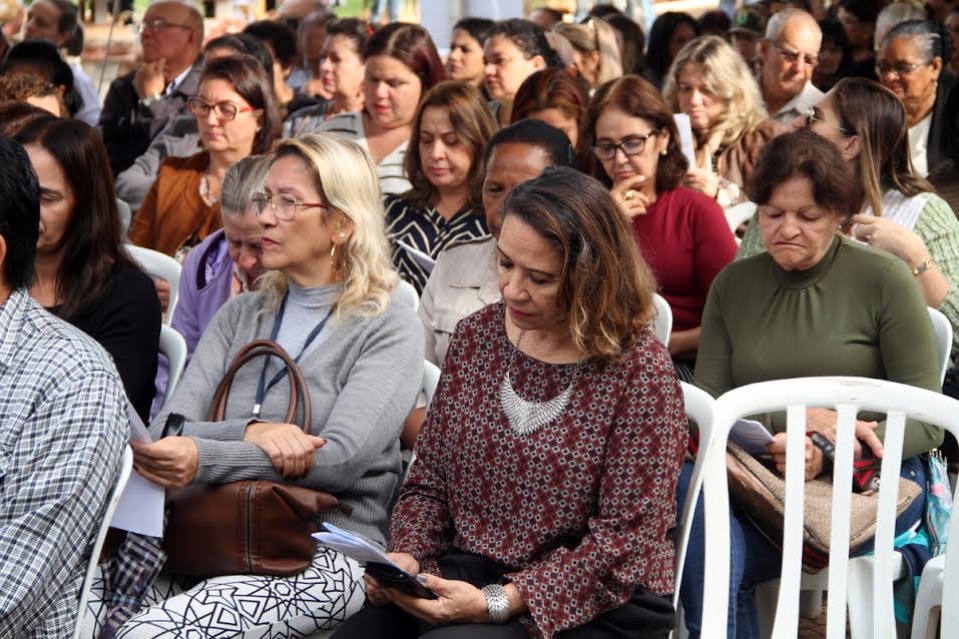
(789, 53)
(141, 103)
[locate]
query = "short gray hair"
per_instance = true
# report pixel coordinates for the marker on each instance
(241, 181)
(924, 31)
(776, 24)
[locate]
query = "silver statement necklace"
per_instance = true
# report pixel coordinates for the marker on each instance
(524, 416)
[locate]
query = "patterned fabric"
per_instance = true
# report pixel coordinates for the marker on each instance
(428, 232)
(124, 581)
(580, 511)
(248, 606)
(63, 425)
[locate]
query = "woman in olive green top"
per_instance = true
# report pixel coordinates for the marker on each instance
(815, 303)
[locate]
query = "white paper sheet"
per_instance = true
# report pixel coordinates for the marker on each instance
(354, 546)
(751, 436)
(686, 137)
(141, 506)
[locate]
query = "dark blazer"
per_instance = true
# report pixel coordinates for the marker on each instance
(937, 148)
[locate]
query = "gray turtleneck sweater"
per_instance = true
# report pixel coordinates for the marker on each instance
(363, 373)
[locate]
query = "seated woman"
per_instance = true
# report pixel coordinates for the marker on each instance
(514, 49)
(595, 52)
(82, 272)
(401, 66)
(556, 98)
(464, 280)
(814, 304)
(901, 214)
(323, 236)
(682, 234)
(710, 82)
(444, 165)
(236, 116)
(564, 389)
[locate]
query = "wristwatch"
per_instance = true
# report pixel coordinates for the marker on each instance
(497, 604)
(150, 100)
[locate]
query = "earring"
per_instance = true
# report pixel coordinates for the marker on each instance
(332, 252)
(342, 235)
(663, 152)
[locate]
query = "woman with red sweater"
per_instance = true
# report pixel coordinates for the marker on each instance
(682, 234)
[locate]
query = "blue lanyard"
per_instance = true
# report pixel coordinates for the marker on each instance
(262, 387)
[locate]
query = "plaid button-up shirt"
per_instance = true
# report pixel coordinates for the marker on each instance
(63, 425)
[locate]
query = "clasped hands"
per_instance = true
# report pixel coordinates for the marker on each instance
(172, 462)
(823, 421)
(458, 602)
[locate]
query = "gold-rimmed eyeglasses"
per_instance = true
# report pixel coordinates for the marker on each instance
(283, 205)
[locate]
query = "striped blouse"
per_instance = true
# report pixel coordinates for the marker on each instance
(389, 170)
(418, 235)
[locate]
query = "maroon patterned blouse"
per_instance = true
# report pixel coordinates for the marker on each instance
(581, 510)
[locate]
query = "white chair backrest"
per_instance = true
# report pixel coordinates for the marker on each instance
(943, 330)
(663, 322)
(123, 474)
(173, 347)
(699, 410)
(847, 396)
(159, 265)
(431, 377)
(408, 293)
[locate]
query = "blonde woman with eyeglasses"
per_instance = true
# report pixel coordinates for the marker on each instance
(237, 116)
(330, 301)
(710, 82)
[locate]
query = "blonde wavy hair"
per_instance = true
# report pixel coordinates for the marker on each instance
(726, 76)
(345, 176)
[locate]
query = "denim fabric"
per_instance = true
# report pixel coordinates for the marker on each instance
(753, 559)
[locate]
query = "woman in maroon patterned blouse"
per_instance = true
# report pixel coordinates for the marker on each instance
(543, 488)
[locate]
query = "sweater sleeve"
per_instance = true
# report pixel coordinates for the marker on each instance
(939, 229)
(713, 372)
(908, 349)
(635, 513)
(714, 245)
(379, 392)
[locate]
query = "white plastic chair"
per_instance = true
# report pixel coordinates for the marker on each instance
(865, 582)
(431, 378)
(123, 474)
(929, 598)
(408, 292)
(943, 330)
(173, 347)
(663, 322)
(699, 410)
(159, 265)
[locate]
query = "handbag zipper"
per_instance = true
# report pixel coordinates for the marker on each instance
(249, 525)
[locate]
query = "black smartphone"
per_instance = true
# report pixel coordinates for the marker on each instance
(393, 577)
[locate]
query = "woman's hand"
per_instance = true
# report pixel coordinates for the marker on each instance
(882, 233)
(778, 451)
(375, 593)
(705, 181)
(629, 197)
(823, 421)
(288, 447)
(170, 462)
(459, 602)
(163, 292)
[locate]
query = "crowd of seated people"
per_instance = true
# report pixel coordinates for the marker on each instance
(536, 185)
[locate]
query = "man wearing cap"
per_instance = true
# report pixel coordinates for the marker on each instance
(789, 53)
(745, 34)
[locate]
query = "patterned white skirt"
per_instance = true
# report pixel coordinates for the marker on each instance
(247, 606)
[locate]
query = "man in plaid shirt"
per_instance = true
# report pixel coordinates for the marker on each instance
(63, 425)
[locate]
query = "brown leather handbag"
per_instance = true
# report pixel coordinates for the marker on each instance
(247, 527)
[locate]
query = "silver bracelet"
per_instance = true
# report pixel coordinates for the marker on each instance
(497, 603)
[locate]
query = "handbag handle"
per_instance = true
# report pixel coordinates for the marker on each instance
(298, 388)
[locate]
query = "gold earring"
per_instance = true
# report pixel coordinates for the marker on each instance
(332, 252)
(663, 152)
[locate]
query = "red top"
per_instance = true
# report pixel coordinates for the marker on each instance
(580, 511)
(686, 241)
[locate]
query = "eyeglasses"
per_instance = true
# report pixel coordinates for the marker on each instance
(899, 69)
(201, 108)
(631, 145)
(792, 57)
(810, 117)
(158, 24)
(284, 205)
